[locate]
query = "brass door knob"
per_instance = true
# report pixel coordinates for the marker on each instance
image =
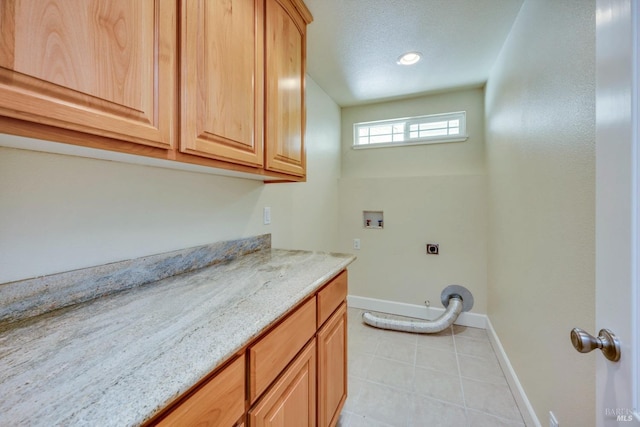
(606, 341)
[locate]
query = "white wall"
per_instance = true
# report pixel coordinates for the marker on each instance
(60, 212)
(429, 194)
(540, 122)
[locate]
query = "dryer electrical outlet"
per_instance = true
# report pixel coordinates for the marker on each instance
(433, 249)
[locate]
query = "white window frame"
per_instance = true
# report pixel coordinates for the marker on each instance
(405, 135)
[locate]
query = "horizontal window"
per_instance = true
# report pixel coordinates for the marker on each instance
(431, 129)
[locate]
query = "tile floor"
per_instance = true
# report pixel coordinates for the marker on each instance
(448, 379)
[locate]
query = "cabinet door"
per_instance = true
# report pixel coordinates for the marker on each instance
(291, 402)
(285, 114)
(222, 80)
(101, 67)
(332, 368)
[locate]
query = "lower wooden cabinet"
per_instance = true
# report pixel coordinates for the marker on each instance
(332, 368)
(293, 375)
(291, 401)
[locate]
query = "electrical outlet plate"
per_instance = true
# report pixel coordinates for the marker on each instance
(356, 244)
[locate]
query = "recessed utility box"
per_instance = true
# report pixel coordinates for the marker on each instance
(373, 219)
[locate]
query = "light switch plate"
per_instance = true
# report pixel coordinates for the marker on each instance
(266, 215)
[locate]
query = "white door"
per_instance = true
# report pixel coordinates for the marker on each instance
(617, 207)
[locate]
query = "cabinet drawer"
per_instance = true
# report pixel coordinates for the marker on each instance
(218, 403)
(269, 356)
(331, 296)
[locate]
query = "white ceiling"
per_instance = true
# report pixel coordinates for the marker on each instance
(353, 45)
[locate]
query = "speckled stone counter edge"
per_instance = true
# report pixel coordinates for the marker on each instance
(32, 297)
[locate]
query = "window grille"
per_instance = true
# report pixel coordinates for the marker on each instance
(431, 129)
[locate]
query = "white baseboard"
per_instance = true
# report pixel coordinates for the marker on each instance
(413, 310)
(529, 415)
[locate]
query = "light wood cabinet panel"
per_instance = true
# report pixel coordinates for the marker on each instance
(291, 402)
(105, 68)
(285, 45)
(269, 356)
(332, 368)
(331, 296)
(222, 80)
(218, 403)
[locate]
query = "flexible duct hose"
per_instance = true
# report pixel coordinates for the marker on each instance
(419, 326)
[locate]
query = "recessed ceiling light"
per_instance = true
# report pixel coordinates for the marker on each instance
(409, 58)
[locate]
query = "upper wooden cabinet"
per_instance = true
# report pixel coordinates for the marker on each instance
(285, 46)
(222, 80)
(103, 74)
(242, 82)
(105, 68)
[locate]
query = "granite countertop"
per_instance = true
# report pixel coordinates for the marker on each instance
(119, 359)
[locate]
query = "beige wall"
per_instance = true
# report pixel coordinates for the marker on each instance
(59, 212)
(540, 122)
(429, 194)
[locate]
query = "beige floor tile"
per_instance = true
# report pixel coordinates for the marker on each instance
(493, 399)
(438, 341)
(400, 379)
(394, 336)
(469, 332)
(391, 373)
(427, 412)
(441, 360)
(354, 313)
(481, 369)
(474, 347)
(478, 419)
(402, 351)
(343, 421)
(358, 363)
(384, 404)
(355, 386)
(438, 385)
(362, 343)
(357, 420)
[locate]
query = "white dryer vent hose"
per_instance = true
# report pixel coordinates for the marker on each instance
(455, 298)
